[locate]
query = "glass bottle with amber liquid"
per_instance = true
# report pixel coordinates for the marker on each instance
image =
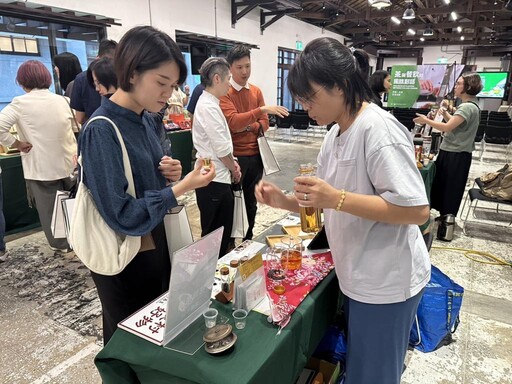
(310, 217)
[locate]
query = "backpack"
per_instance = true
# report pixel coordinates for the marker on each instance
(498, 185)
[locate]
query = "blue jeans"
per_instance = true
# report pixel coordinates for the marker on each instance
(2, 218)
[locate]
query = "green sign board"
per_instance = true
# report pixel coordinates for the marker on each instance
(404, 86)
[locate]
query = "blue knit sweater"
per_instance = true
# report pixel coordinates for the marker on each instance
(103, 171)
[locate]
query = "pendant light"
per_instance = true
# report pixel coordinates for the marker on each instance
(379, 3)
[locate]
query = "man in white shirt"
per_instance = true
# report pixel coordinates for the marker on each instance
(212, 140)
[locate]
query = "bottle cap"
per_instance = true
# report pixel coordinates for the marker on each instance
(243, 259)
(224, 271)
(234, 263)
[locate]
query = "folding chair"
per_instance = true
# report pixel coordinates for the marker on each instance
(475, 194)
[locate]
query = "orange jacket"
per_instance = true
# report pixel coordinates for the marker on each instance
(244, 117)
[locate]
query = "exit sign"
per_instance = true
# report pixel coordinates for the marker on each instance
(298, 45)
(442, 60)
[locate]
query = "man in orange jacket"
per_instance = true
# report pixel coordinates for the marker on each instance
(246, 113)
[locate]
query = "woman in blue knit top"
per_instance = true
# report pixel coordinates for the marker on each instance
(148, 65)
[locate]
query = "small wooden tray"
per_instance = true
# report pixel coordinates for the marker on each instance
(272, 240)
(295, 230)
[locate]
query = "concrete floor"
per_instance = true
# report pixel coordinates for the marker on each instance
(50, 314)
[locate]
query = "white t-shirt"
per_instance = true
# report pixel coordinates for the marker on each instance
(376, 262)
(210, 134)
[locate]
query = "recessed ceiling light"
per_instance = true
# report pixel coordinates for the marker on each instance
(462, 37)
(422, 39)
(395, 20)
(459, 29)
(453, 15)
(411, 31)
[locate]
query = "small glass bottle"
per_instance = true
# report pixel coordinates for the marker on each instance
(224, 278)
(310, 217)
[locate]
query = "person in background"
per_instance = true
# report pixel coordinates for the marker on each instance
(148, 66)
(373, 199)
(46, 141)
(246, 114)
(102, 74)
(380, 83)
(67, 68)
(3, 250)
(178, 100)
(191, 106)
(211, 138)
(84, 98)
(454, 158)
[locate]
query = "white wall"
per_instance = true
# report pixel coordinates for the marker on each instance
(208, 17)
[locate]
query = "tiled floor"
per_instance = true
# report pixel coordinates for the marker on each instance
(50, 314)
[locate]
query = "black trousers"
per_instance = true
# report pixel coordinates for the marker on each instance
(452, 170)
(144, 279)
(216, 205)
(252, 172)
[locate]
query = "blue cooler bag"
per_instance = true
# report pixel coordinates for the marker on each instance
(438, 313)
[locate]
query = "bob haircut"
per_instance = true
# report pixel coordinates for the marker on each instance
(142, 49)
(377, 81)
(472, 83)
(211, 67)
(237, 52)
(104, 71)
(32, 74)
(329, 63)
(69, 66)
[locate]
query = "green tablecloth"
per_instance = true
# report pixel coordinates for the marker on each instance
(18, 216)
(259, 356)
(427, 173)
(181, 147)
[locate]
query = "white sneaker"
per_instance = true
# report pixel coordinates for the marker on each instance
(4, 255)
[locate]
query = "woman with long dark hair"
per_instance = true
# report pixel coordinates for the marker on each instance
(67, 67)
(380, 83)
(373, 199)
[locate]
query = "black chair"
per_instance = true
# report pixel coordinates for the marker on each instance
(480, 133)
(300, 121)
(496, 134)
(284, 123)
(475, 194)
(499, 115)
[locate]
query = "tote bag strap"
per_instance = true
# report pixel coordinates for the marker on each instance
(126, 160)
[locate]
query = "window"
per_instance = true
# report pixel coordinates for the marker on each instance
(21, 45)
(285, 59)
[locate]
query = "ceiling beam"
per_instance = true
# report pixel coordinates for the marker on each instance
(443, 10)
(405, 27)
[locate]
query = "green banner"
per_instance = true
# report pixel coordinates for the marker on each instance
(405, 86)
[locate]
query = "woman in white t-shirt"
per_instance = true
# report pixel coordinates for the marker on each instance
(373, 199)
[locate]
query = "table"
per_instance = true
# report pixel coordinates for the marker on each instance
(259, 356)
(18, 215)
(181, 147)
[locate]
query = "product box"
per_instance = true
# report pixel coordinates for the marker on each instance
(329, 371)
